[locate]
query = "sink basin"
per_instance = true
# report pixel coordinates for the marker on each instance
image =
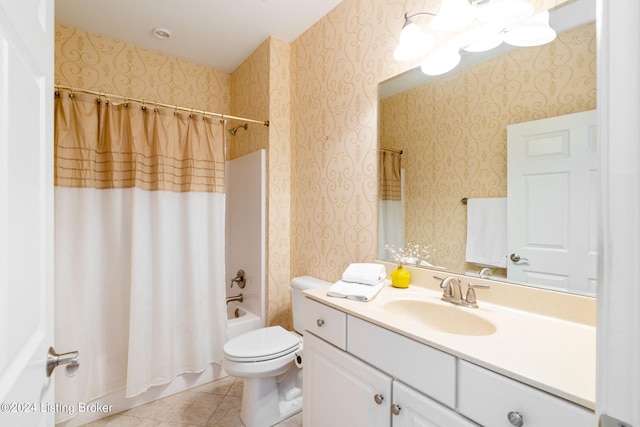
(445, 318)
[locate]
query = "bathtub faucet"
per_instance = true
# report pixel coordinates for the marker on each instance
(239, 279)
(238, 298)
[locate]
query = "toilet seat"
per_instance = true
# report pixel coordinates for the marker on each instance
(262, 344)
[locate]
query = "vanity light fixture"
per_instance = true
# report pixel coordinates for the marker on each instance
(471, 25)
(413, 41)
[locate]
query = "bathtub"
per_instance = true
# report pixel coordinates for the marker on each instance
(240, 320)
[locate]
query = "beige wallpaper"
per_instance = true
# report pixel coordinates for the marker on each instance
(453, 131)
(260, 88)
(336, 66)
(250, 98)
(89, 61)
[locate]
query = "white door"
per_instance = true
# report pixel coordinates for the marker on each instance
(340, 390)
(26, 196)
(552, 195)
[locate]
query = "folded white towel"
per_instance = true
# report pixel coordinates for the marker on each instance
(365, 273)
(355, 291)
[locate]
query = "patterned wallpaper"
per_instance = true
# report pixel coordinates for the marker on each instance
(260, 88)
(453, 131)
(279, 159)
(89, 61)
(336, 67)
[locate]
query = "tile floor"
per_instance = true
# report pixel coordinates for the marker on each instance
(216, 404)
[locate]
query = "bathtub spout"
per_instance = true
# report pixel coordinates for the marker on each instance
(239, 298)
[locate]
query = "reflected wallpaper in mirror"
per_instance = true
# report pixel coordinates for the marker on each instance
(453, 133)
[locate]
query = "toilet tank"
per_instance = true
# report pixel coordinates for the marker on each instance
(299, 284)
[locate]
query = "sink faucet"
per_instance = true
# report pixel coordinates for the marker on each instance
(450, 284)
(453, 292)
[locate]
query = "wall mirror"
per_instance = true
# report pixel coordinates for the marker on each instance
(452, 133)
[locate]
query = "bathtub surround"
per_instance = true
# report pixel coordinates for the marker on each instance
(139, 243)
(246, 230)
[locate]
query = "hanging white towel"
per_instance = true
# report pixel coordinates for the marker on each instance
(355, 291)
(487, 231)
(365, 273)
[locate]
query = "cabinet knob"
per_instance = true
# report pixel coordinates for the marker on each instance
(319, 322)
(395, 409)
(515, 418)
(378, 398)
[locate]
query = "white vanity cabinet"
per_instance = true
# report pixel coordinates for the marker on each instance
(340, 389)
(357, 373)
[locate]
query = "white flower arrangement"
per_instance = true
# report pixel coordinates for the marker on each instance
(412, 254)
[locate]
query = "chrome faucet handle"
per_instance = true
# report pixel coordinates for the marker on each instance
(470, 300)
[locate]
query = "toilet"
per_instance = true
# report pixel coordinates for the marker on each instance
(269, 360)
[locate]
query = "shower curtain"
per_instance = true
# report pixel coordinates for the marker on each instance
(391, 205)
(139, 244)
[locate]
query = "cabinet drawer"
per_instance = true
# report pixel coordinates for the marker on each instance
(325, 322)
(417, 365)
(488, 398)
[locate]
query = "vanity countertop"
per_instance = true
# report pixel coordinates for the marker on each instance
(554, 355)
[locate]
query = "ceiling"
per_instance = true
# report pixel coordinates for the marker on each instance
(216, 33)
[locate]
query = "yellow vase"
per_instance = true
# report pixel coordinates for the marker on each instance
(400, 278)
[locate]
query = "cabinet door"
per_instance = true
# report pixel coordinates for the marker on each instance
(340, 390)
(413, 409)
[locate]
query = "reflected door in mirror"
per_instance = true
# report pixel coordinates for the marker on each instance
(552, 202)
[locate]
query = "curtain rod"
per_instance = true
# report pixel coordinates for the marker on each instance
(158, 104)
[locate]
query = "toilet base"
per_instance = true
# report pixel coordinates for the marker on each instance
(267, 401)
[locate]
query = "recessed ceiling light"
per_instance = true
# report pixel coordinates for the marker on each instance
(161, 33)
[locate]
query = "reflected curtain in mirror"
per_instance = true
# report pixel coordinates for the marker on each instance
(391, 206)
(139, 244)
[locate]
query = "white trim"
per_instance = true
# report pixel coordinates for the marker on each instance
(618, 377)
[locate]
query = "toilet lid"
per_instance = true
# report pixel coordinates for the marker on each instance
(262, 344)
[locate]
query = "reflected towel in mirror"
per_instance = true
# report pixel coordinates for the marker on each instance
(487, 231)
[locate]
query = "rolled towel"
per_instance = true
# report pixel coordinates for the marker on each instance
(365, 273)
(354, 291)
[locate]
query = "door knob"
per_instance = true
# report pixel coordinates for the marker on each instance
(70, 359)
(378, 398)
(517, 258)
